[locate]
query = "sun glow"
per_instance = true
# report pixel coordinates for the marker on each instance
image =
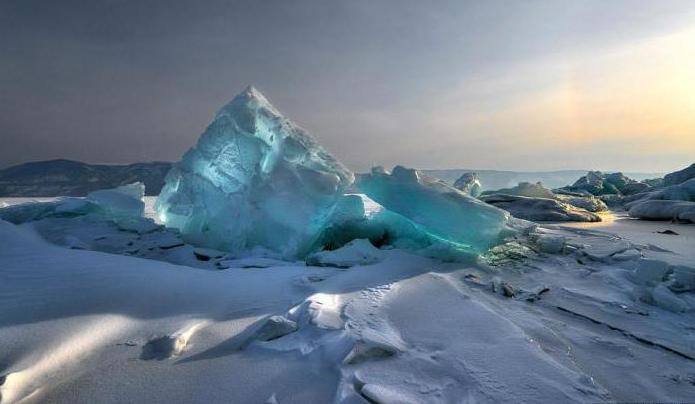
(644, 93)
(631, 106)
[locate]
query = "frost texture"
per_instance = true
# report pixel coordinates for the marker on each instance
(253, 180)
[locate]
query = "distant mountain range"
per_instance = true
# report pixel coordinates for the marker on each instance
(494, 179)
(74, 178)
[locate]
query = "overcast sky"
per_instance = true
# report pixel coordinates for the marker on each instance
(522, 85)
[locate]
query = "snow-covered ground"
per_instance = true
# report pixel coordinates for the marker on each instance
(647, 232)
(580, 322)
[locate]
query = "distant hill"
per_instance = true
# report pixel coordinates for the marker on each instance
(494, 179)
(73, 178)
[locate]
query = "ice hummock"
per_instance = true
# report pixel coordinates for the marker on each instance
(356, 216)
(437, 209)
(253, 180)
(255, 183)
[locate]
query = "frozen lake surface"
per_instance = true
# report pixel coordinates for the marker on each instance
(573, 313)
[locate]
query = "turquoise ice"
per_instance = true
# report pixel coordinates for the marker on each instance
(438, 209)
(254, 180)
(255, 183)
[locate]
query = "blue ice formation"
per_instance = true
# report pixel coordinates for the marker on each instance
(254, 180)
(356, 216)
(121, 203)
(437, 209)
(257, 183)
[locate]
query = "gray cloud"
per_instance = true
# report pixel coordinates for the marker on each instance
(126, 80)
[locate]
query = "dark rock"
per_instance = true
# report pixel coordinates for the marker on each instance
(507, 290)
(598, 183)
(655, 209)
(274, 328)
(654, 182)
(668, 231)
(163, 347)
(540, 209)
(681, 176)
(635, 188)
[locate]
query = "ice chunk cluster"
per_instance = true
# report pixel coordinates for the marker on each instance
(253, 180)
(257, 182)
(121, 203)
(598, 183)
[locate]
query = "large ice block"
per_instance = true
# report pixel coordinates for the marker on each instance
(436, 208)
(253, 180)
(356, 216)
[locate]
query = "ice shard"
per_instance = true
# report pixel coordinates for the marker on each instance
(253, 180)
(469, 184)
